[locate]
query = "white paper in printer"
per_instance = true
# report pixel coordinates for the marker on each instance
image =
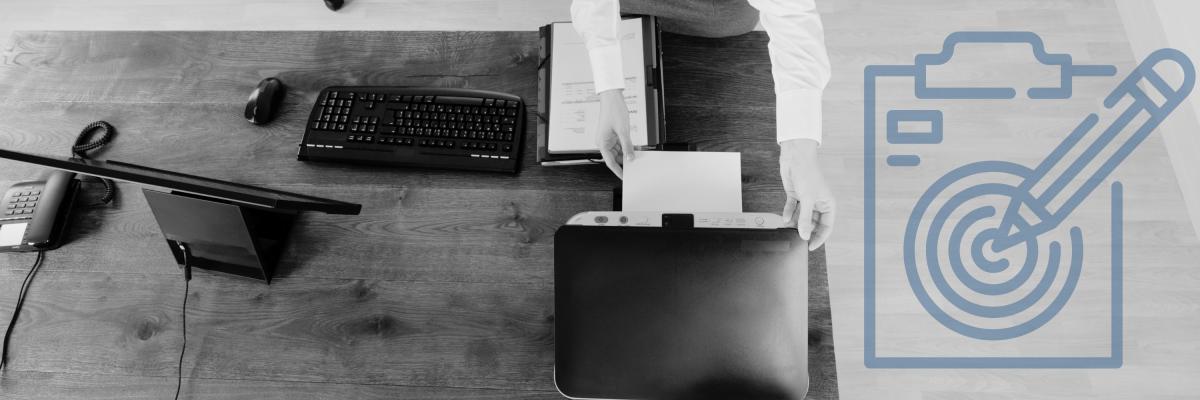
(683, 182)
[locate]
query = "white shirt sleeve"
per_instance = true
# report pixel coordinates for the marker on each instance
(799, 62)
(799, 65)
(599, 23)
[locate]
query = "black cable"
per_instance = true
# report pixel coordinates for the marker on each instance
(83, 145)
(187, 279)
(183, 348)
(37, 263)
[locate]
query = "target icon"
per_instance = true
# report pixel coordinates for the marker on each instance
(957, 276)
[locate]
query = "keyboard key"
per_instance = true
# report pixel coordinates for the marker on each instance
(461, 101)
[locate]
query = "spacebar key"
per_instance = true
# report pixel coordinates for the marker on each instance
(460, 101)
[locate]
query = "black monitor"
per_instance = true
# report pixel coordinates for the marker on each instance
(197, 185)
(208, 223)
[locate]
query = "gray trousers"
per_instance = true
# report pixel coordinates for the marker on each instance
(704, 18)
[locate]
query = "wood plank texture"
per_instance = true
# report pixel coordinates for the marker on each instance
(441, 288)
(52, 385)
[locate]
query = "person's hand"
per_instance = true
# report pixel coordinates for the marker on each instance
(612, 130)
(810, 205)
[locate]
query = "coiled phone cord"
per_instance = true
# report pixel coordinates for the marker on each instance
(83, 146)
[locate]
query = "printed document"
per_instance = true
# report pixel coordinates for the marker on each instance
(574, 105)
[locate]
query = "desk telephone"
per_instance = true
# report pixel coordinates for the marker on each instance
(35, 213)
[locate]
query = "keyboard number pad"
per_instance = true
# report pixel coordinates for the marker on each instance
(335, 112)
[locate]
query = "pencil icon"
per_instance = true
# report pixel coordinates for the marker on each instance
(1054, 187)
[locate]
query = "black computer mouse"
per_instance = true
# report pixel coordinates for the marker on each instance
(265, 101)
(334, 4)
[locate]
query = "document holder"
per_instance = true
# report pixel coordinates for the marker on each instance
(653, 92)
(219, 235)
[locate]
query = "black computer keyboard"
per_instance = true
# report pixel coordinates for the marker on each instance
(416, 127)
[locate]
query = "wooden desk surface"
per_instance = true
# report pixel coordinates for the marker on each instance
(441, 288)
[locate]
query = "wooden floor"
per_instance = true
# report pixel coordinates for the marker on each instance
(1162, 302)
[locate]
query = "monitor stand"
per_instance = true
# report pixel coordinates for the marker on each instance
(218, 235)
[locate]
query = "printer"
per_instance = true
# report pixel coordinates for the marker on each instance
(680, 305)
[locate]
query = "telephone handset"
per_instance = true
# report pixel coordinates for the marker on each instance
(35, 213)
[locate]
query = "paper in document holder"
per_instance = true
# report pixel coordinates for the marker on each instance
(683, 182)
(568, 105)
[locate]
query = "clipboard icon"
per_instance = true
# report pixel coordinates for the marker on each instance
(977, 249)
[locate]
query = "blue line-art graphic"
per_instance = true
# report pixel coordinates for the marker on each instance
(1067, 71)
(951, 229)
(1016, 229)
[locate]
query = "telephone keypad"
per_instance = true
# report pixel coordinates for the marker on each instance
(20, 203)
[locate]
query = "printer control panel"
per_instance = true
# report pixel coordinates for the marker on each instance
(669, 220)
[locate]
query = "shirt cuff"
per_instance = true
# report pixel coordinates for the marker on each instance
(606, 68)
(798, 115)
